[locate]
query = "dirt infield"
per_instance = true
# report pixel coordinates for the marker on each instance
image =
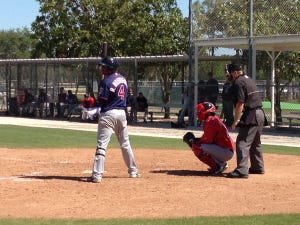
(41, 183)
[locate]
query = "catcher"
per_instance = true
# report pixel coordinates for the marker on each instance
(215, 147)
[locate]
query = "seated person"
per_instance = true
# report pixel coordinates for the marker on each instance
(142, 105)
(61, 102)
(188, 101)
(72, 101)
(42, 99)
(27, 109)
(89, 108)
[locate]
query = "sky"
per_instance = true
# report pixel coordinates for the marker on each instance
(16, 14)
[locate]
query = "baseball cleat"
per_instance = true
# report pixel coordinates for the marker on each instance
(220, 169)
(94, 180)
(135, 175)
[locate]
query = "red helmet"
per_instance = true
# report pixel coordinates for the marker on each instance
(203, 109)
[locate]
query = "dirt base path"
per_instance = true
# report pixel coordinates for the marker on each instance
(51, 183)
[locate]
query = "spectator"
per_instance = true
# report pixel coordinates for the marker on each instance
(201, 91)
(61, 102)
(227, 103)
(2, 101)
(42, 99)
(27, 109)
(89, 108)
(142, 105)
(131, 105)
(72, 101)
(212, 89)
(188, 102)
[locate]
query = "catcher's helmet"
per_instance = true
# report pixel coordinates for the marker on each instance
(111, 63)
(204, 109)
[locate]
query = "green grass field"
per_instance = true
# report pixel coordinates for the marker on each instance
(18, 137)
(34, 137)
(276, 219)
(283, 105)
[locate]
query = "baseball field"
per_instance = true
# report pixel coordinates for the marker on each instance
(43, 181)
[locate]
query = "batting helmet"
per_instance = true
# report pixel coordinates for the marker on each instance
(111, 63)
(204, 109)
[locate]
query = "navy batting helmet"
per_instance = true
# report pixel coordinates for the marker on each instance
(111, 63)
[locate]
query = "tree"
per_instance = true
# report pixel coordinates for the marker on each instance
(139, 27)
(78, 28)
(15, 44)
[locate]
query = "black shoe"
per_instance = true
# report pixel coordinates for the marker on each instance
(236, 174)
(220, 169)
(252, 171)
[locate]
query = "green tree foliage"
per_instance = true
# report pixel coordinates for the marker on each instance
(15, 44)
(139, 27)
(78, 28)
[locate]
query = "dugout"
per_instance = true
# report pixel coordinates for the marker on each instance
(273, 45)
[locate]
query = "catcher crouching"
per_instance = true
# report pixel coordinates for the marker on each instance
(215, 147)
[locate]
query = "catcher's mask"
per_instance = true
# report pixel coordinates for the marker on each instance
(204, 109)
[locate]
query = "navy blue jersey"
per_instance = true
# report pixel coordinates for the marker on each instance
(112, 92)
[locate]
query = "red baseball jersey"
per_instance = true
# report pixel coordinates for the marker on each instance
(215, 132)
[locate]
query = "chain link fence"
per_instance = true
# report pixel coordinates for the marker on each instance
(222, 18)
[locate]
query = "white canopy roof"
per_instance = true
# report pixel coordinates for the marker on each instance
(264, 43)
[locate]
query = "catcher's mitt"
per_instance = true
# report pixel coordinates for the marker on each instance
(189, 138)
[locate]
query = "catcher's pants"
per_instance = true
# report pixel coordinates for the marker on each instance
(219, 154)
(109, 122)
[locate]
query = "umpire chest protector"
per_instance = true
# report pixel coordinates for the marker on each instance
(246, 92)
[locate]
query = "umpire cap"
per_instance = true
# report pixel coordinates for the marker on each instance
(234, 67)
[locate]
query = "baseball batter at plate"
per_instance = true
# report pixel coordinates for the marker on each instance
(215, 147)
(112, 92)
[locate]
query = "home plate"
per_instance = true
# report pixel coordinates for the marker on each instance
(21, 179)
(89, 172)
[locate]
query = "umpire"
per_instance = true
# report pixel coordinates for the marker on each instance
(250, 118)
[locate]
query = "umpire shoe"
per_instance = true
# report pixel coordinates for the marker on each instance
(253, 171)
(94, 179)
(236, 174)
(135, 175)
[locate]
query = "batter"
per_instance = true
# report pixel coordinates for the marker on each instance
(112, 93)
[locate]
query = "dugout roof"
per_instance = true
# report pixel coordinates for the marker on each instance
(264, 43)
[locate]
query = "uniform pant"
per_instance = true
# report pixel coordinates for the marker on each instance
(219, 154)
(248, 144)
(109, 122)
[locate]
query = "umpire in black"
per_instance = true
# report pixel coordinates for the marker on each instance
(250, 118)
